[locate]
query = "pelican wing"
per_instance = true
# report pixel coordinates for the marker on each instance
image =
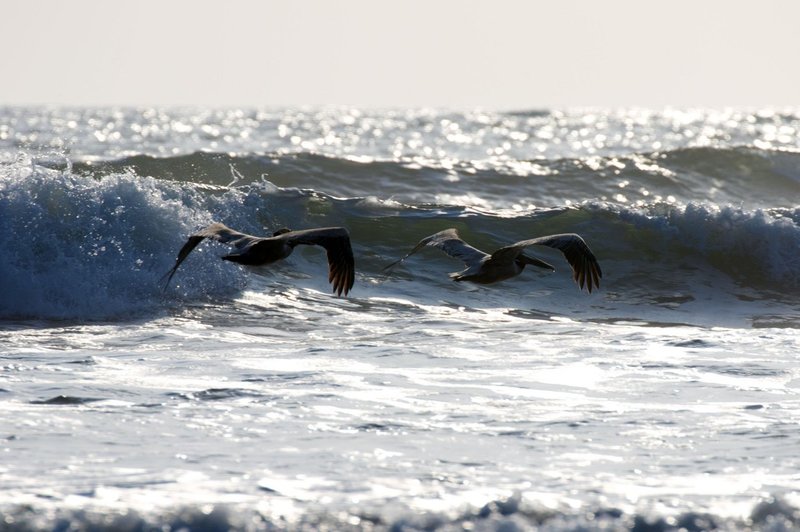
(216, 231)
(226, 235)
(449, 242)
(336, 241)
(585, 268)
(513, 252)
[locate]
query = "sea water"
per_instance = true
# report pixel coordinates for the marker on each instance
(255, 399)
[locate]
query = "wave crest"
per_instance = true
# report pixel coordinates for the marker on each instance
(81, 244)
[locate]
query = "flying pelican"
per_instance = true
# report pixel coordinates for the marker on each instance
(256, 251)
(509, 261)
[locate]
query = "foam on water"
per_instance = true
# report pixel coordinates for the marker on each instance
(254, 399)
(285, 422)
(78, 247)
(96, 247)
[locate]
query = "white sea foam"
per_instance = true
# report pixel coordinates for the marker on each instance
(255, 399)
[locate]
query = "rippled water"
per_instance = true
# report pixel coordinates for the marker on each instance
(255, 399)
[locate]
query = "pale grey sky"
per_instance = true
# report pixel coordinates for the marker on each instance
(496, 54)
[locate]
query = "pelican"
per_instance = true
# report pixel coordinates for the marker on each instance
(509, 261)
(256, 251)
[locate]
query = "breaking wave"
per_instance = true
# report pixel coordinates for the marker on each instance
(93, 240)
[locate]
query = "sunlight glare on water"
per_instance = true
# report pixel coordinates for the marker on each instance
(252, 399)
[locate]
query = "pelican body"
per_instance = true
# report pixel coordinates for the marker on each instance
(509, 261)
(258, 251)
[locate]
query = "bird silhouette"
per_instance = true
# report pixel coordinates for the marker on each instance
(257, 251)
(509, 261)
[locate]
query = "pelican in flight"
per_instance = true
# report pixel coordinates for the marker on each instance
(509, 261)
(257, 251)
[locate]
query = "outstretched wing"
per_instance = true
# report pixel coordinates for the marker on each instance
(513, 252)
(585, 268)
(449, 242)
(336, 241)
(217, 231)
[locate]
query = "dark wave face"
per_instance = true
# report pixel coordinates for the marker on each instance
(679, 206)
(92, 239)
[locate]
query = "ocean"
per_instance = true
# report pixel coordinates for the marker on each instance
(255, 399)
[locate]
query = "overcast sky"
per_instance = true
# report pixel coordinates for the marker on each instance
(495, 54)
